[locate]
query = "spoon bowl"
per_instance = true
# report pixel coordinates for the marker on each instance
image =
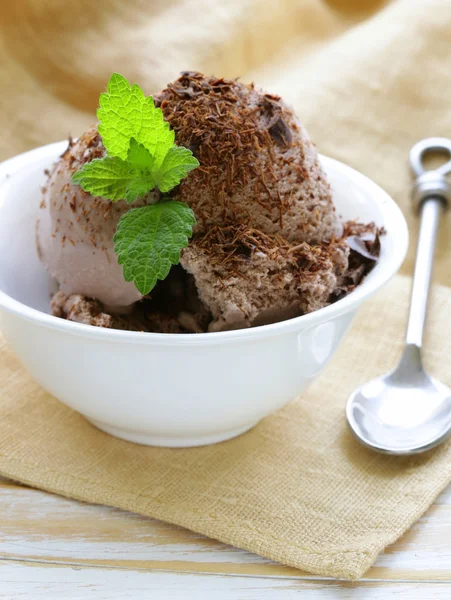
(404, 412)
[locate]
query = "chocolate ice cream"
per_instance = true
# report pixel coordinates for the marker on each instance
(268, 244)
(75, 231)
(258, 165)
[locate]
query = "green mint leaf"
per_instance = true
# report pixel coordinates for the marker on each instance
(148, 241)
(178, 162)
(141, 185)
(113, 179)
(125, 113)
(138, 156)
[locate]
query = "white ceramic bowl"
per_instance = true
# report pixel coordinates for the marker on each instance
(173, 389)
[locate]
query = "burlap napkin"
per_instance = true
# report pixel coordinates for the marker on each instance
(297, 489)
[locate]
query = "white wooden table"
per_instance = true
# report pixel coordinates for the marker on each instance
(51, 547)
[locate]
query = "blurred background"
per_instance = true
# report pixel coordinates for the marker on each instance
(368, 78)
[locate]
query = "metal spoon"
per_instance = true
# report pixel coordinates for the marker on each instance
(407, 411)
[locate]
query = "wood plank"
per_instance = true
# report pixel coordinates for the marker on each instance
(42, 527)
(28, 581)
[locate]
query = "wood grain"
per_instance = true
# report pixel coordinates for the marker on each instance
(52, 546)
(26, 581)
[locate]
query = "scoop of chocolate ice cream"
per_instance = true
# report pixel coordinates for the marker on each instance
(75, 231)
(258, 164)
(247, 278)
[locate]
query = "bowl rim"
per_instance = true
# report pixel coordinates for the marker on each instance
(386, 268)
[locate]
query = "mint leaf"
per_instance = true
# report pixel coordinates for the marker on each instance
(125, 113)
(178, 162)
(113, 179)
(148, 241)
(139, 144)
(141, 185)
(138, 156)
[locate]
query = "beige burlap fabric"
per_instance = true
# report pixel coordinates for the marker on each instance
(368, 79)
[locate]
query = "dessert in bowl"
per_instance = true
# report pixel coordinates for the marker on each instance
(273, 265)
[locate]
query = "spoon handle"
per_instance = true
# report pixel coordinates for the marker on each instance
(431, 194)
(431, 211)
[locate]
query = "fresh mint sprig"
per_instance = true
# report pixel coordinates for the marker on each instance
(141, 155)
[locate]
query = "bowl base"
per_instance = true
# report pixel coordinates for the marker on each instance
(171, 441)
